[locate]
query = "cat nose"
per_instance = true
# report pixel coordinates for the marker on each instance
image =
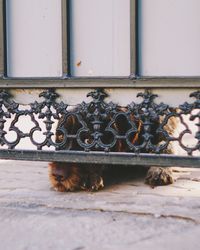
(59, 178)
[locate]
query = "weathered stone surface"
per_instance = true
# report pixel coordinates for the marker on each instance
(126, 215)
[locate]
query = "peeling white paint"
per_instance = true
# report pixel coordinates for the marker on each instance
(173, 97)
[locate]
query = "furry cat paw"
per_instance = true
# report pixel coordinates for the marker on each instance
(92, 182)
(96, 183)
(158, 176)
(95, 179)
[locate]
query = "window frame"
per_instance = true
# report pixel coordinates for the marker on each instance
(67, 81)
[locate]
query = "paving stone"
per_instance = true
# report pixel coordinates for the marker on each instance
(125, 215)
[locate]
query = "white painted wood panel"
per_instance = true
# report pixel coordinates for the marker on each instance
(100, 37)
(34, 43)
(169, 37)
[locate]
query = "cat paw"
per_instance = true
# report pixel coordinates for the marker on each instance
(158, 176)
(96, 184)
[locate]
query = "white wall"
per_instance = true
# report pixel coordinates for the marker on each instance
(34, 44)
(169, 37)
(100, 37)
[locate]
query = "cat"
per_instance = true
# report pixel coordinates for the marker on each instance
(72, 176)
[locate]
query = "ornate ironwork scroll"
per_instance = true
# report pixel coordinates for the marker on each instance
(144, 127)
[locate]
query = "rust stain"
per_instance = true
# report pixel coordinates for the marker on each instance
(27, 91)
(78, 64)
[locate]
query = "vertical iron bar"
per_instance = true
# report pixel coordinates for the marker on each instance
(2, 38)
(137, 36)
(68, 36)
(64, 38)
(133, 15)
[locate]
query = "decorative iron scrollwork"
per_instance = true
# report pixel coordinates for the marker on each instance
(99, 125)
(188, 109)
(8, 108)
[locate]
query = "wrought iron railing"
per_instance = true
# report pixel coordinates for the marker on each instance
(101, 132)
